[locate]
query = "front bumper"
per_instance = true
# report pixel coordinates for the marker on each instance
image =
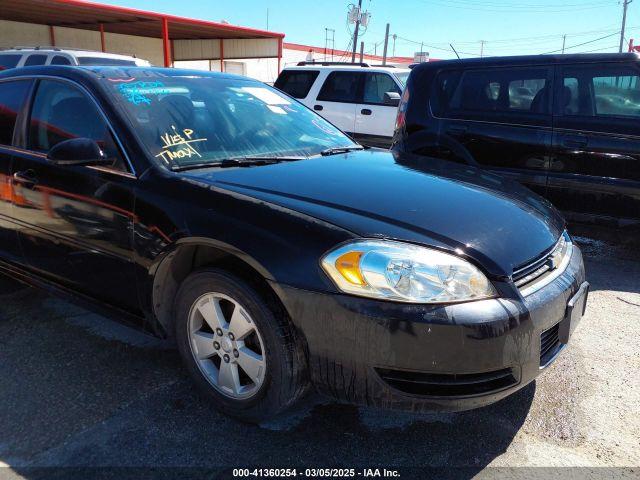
(422, 357)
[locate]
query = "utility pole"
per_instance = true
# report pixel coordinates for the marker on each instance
(267, 19)
(355, 32)
(361, 52)
(386, 44)
(624, 22)
(482, 42)
(564, 41)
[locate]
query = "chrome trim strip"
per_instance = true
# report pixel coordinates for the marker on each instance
(534, 287)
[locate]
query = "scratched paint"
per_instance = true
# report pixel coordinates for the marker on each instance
(178, 144)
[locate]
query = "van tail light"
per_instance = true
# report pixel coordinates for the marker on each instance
(402, 109)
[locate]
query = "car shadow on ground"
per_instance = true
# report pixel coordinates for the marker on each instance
(78, 390)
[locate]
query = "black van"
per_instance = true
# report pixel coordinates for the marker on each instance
(566, 126)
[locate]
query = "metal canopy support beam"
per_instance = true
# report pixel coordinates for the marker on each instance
(52, 36)
(166, 48)
(221, 55)
(280, 53)
(103, 44)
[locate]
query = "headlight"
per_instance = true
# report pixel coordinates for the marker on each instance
(403, 272)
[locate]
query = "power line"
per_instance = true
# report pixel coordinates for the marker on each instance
(583, 43)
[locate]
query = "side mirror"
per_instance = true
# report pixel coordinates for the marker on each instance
(77, 151)
(392, 98)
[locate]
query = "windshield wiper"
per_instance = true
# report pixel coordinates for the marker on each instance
(338, 150)
(237, 162)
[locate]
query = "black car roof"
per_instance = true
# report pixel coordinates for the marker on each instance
(115, 71)
(523, 60)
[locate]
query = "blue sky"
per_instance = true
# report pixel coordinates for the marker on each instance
(509, 27)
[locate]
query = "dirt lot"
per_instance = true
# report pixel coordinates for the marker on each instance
(79, 390)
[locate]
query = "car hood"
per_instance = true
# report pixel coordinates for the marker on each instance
(374, 193)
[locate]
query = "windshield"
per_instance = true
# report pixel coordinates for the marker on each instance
(192, 120)
(402, 76)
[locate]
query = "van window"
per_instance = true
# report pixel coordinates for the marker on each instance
(376, 85)
(106, 61)
(296, 83)
(12, 96)
(521, 90)
(597, 91)
(60, 60)
(35, 59)
(340, 87)
(9, 61)
(617, 95)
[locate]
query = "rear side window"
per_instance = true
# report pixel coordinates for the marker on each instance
(35, 60)
(600, 91)
(376, 85)
(60, 60)
(503, 90)
(340, 87)
(12, 96)
(296, 83)
(9, 61)
(105, 61)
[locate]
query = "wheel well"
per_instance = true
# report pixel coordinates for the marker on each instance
(188, 258)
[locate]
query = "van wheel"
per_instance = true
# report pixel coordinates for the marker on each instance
(241, 351)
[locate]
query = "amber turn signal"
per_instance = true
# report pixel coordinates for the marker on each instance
(349, 267)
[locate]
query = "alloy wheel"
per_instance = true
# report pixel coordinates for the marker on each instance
(227, 346)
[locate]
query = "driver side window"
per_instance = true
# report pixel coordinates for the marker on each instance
(62, 112)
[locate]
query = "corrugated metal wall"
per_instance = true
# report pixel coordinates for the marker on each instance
(142, 47)
(28, 34)
(232, 49)
(16, 33)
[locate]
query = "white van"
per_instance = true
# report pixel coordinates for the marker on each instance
(358, 98)
(30, 56)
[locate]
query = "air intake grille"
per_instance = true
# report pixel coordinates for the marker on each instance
(448, 385)
(545, 268)
(549, 344)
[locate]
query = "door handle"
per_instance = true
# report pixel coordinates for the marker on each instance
(457, 129)
(366, 111)
(26, 178)
(575, 141)
(318, 107)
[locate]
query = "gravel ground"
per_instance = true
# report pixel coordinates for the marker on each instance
(77, 390)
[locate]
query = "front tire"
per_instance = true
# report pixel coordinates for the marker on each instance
(238, 346)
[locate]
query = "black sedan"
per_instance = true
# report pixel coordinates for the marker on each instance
(277, 253)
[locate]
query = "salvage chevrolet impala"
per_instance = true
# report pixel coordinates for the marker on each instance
(274, 251)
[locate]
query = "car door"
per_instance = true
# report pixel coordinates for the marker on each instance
(375, 120)
(76, 221)
(338, 98)
(13, 95)
(499, 119)
(595, 169)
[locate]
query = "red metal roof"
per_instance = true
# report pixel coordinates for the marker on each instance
(130, 21)
(340, 53)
